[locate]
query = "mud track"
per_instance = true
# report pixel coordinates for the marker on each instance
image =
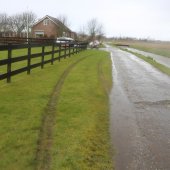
(102, 79)
(45, 140)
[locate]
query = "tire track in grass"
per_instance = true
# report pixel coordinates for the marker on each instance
(102, 78)
(45, 139)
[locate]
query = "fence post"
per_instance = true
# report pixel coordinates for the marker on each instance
(69, 49)
(76, 48)
(59, 53)
(65, 48)
(52, 59)
(79, 49)
(29, 58)
(9, 63)
(42, 60)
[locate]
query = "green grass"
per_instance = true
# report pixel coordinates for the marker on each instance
(150, 60)
(81, 133)
(102, 45)
(156, 47)
(22, 52)
(160, 49)
(81, 136)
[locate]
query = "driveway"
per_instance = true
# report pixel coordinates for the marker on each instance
(139, 114)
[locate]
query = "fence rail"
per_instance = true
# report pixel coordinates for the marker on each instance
(57, 52)
(19, 40)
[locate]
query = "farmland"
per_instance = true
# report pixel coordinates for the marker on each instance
(156, 47)
(150, 60)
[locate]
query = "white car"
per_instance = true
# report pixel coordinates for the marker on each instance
(64, 41)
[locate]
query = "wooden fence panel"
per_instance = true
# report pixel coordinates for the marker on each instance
(9, 64)
(29, 59)
(63, 51)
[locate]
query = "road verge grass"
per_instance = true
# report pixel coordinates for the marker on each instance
(80, 134)
(155, 47)
(22, 103)
(81, 129)
(150, 60)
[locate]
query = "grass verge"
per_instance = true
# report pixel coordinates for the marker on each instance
(80, 136)
(81, 129)
(151, 61)
(155, 47)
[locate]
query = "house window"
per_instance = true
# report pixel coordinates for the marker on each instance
(39, 34)
(46, 22)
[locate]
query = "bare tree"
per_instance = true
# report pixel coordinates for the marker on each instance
(20, 22)
(64, 20)
(100, 32)
(29, 18)
(17, 23)
(82, 35)
(63, 26)
(4, 22)
(94, 29)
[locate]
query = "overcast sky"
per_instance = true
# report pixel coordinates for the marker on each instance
(132, 18)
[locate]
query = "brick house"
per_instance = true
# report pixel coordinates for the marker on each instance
(51, 27)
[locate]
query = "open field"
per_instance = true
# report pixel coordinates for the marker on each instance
(57, 118)
(151, 61)
(156, 47)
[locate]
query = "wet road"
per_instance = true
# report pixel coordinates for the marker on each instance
(160, 59)
(139, 114)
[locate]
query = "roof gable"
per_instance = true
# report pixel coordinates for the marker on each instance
(54, 20)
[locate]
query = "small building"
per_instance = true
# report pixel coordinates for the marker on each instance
(51, 27)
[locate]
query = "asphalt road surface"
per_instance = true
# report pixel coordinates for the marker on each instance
(139, 114)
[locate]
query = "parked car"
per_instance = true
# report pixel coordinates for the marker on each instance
(64, 41)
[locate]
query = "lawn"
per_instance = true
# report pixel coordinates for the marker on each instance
(79, 128)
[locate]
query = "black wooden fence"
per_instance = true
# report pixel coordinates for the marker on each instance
(57, 52)
(18, 40)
